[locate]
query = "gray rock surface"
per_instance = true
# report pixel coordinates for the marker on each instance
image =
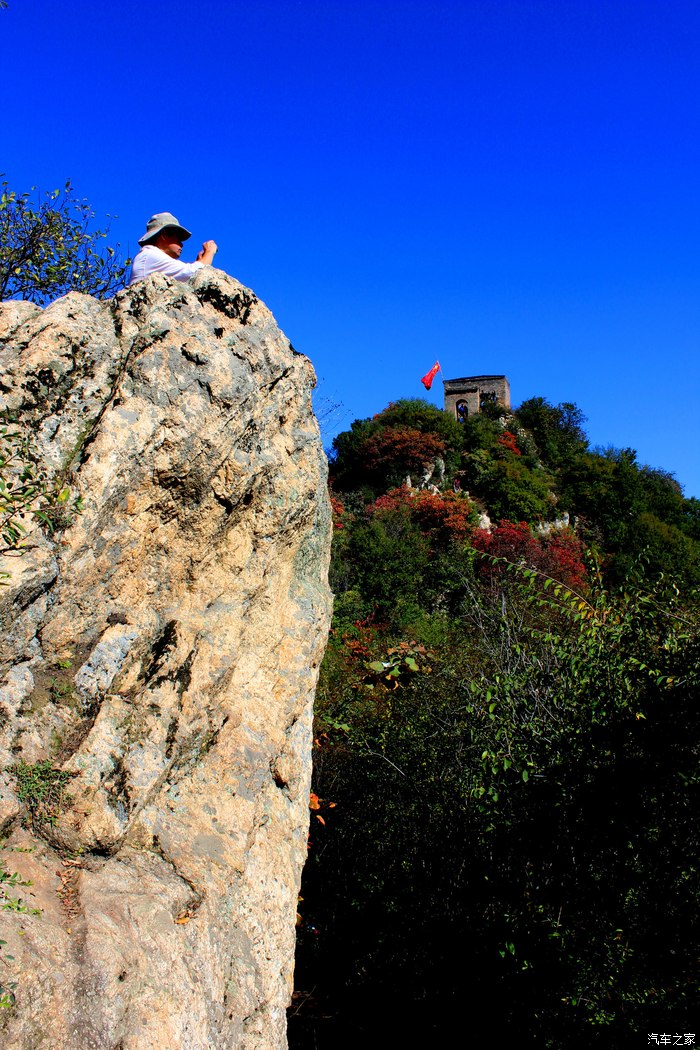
(164, 651)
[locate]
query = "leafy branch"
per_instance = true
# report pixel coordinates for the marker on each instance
(28, 492)
(48, 248)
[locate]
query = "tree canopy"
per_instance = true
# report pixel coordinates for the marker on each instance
(379, 452)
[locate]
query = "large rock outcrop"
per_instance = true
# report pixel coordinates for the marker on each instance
(164, 651)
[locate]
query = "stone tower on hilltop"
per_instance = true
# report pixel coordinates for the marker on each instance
(466, 397)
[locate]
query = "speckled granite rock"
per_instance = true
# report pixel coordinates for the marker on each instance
(164, 650)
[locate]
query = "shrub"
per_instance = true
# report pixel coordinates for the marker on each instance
(558, 555)
(377, 453)
(47, 248)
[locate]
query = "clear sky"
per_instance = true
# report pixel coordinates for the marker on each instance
(509, 186)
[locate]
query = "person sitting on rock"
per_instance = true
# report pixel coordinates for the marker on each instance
(161, 246)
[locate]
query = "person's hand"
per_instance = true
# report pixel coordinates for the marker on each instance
(209, 250)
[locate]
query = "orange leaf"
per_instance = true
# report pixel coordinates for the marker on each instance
(319, 817)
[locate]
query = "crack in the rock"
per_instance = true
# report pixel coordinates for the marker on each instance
(198, 896)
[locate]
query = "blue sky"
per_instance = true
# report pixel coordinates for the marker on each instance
(509, 186)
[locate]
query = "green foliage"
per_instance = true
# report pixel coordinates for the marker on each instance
(690, 518)
(27, 491)
(400, 556)
(15, 904)
(500, 468)
(42, 789)
(422, 416)
(513, 830)
(606, 493)
(47, 248)
(11, 880)
(509, 488)
(626, 509)
(7, 988)
(557, 430)
(480, 433)
(378, 453)
(391, 561)
(507, 725)
(21, 484)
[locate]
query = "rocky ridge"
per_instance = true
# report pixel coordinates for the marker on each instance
(162, 653)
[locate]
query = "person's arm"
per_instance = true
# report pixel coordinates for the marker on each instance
(153, 260)
(209, 250)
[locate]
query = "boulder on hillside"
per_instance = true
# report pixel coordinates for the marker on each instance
(158, 660)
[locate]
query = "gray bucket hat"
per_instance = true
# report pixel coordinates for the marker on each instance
(163, 220)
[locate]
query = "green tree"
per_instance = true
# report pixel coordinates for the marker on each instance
(557, 430)
(510, 489)
(690, 518)
(48, 248)
(391, 559)
(626, 509)
(377, 453)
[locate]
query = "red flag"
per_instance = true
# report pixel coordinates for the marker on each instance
(427, 379)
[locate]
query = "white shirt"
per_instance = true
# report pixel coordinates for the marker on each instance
(152, 260)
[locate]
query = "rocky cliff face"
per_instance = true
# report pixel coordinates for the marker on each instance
(163, 651)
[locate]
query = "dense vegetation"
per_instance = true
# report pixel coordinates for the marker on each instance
(503, 830)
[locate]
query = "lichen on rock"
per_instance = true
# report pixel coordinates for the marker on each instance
(164, 650)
